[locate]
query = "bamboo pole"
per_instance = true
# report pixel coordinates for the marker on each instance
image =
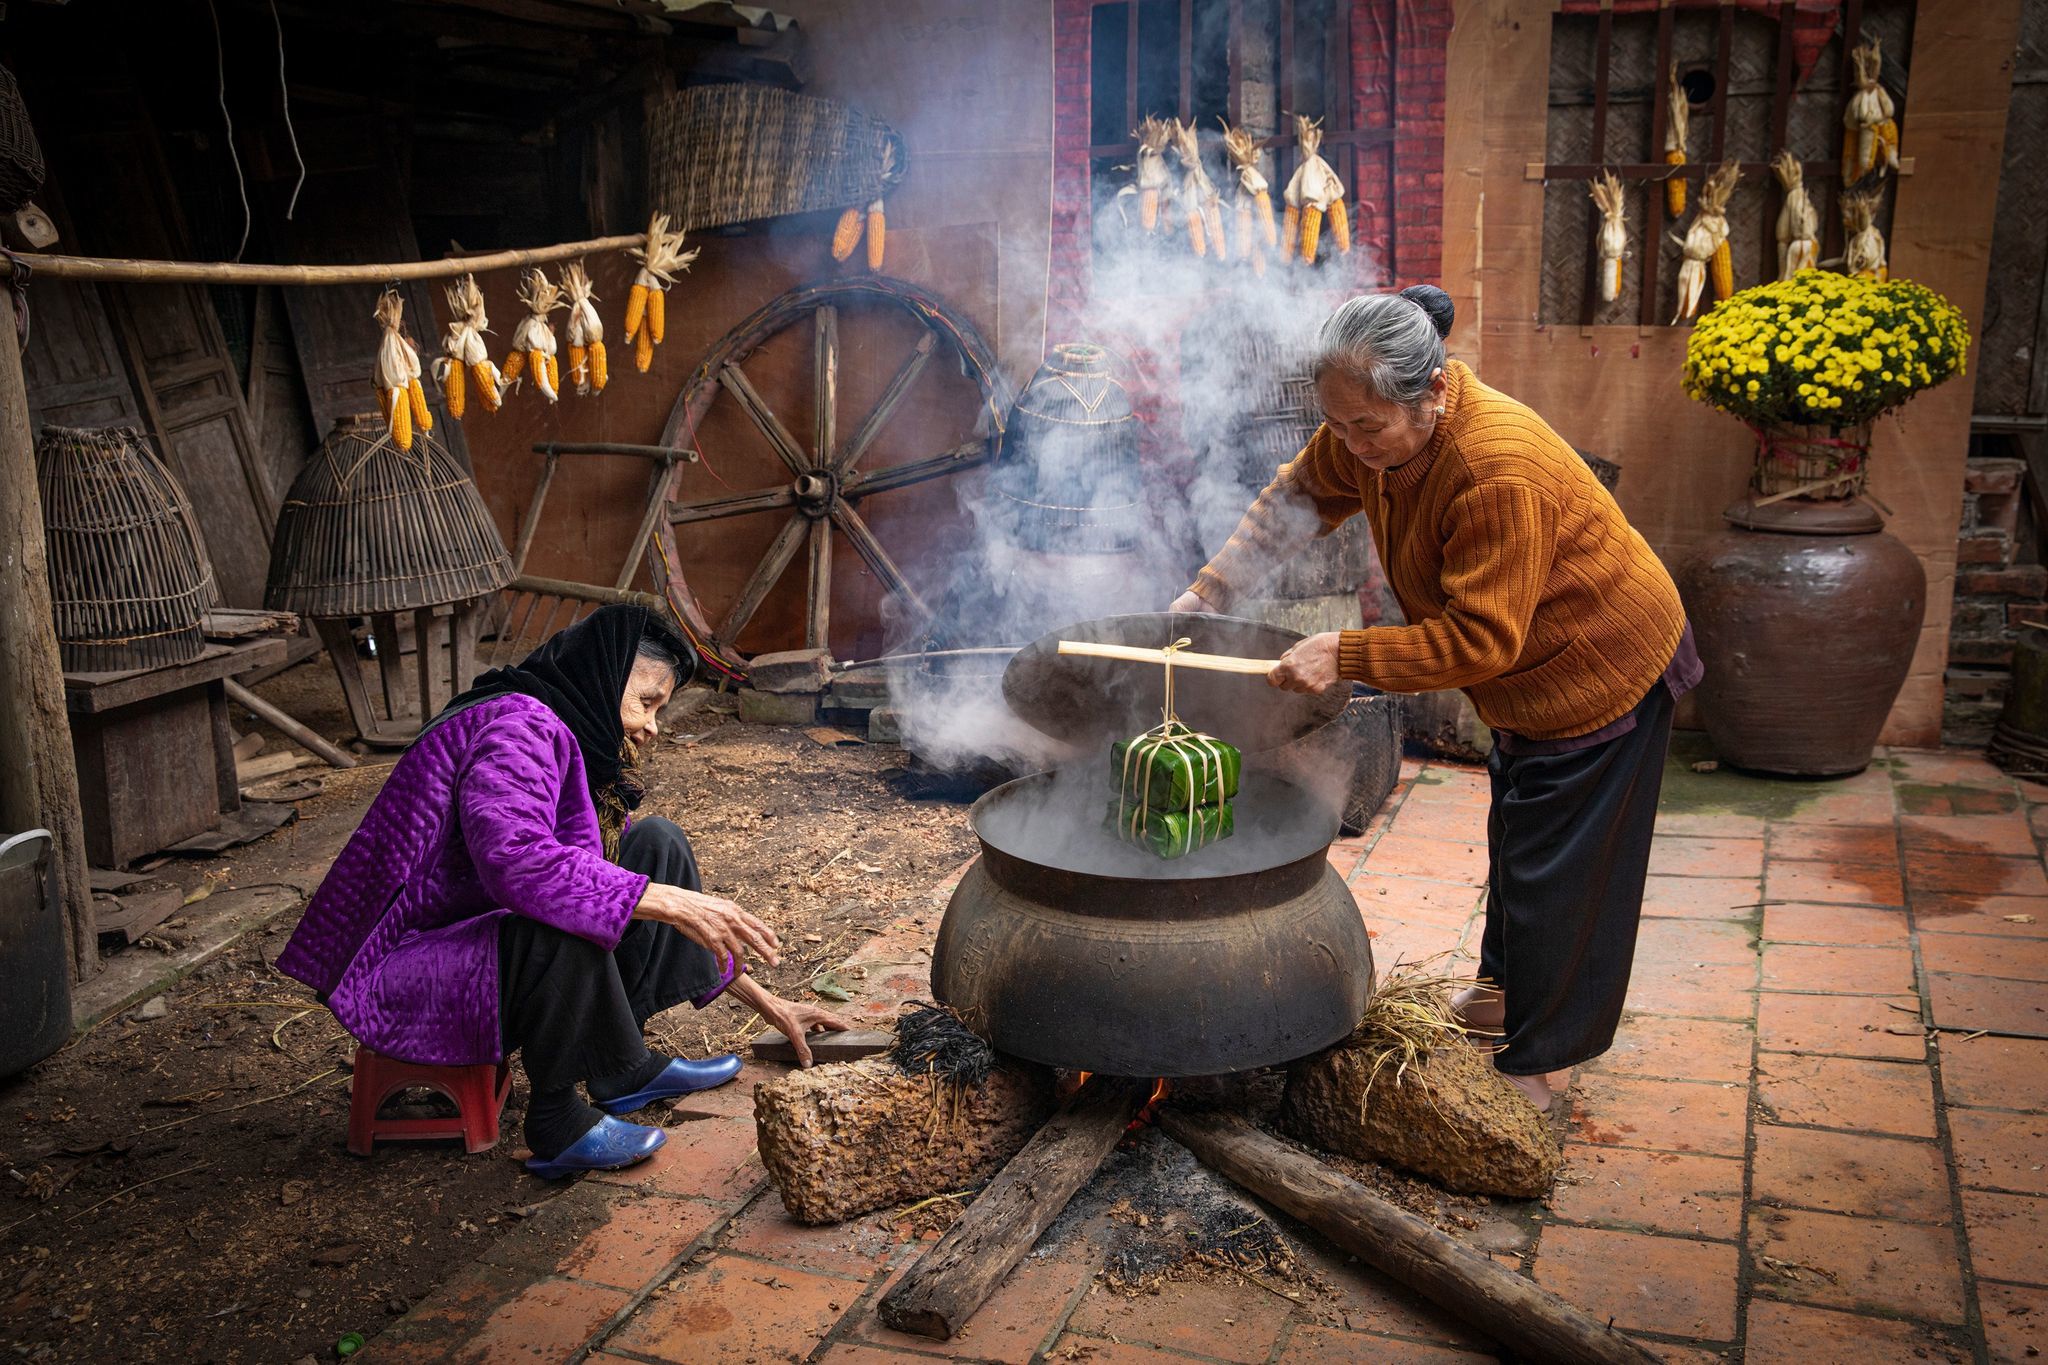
(117, 270)
(38, 772)
(335, 757)
(1209, 663)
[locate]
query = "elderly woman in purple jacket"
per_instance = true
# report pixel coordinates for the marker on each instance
(498, 896)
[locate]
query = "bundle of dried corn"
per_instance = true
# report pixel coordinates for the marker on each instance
(533, 340)
(1255, 231)
(1677, 110)
(1798, 224)
(1864, 254)
(646, 308)
(1313, 192)
(586, 331)
(1612, 243)
(1870, 134)
(1198, 192)
(1706, 242)
(1152, 182)
(463, 353)
(398, 374)
(846, 236)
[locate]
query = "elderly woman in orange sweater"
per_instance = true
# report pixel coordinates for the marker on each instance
(1524, 585)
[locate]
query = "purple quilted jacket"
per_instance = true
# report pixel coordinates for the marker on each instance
(487, 815)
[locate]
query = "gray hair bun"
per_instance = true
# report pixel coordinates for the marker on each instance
(1436, 303)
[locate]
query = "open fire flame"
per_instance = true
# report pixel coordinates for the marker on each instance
(1161, 1088)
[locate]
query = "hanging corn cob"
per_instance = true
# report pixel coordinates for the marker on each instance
(1198, 192)
(533, 340)
(1613, 240)
(1798, 224)
(585, 330)
(398, 374)
(1677, 110)
(646, 309)
(1863, 255)
(846, 236)
(1152, 180)
(1870, 133)
(1706, 243)
(464, 356)
(1313, 191)
(1255, 231)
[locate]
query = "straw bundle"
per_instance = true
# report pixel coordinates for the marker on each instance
(368, 528)
(720, 154)
(130, 581)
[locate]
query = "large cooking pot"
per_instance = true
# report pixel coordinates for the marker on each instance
(1066, 946)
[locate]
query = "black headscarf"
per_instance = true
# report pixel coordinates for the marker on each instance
(580, 674)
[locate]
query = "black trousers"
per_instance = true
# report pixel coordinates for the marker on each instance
(574, 1010)
(1569, 845)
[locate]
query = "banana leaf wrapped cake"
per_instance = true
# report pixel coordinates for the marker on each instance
(1173, 833)
(1173, 789)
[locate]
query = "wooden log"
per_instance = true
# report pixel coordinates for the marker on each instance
(942, 1291)
(38, 775)
(121, 271)
(243, 697)
(1533, 1323)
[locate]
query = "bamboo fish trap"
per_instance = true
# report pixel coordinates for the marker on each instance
(721, 154)
(130, 581)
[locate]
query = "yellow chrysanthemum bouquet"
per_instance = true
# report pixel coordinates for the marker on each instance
(1821, 350)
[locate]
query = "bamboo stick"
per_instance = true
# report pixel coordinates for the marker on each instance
(120, 270)
(1210, 663)
(249, 701)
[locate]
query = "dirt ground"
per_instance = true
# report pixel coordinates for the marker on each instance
(178, 1185)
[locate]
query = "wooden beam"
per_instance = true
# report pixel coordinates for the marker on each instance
(937, 1296)
(1512, 1309)
(117, 270)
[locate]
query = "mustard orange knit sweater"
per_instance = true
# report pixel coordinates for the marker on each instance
(1522, 581)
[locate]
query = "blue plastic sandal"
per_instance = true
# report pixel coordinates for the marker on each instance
(679, 1077)
(607, 1147)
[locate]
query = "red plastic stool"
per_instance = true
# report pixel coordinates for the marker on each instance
(478, 1093)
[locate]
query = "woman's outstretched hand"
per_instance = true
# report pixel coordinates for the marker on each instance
(1311, 666)
(796, 1020)
(711, 922)
(1188, 601)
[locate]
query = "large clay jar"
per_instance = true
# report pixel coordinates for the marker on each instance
(1806, 615)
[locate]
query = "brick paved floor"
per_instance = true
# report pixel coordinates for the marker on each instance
(1778, 1161)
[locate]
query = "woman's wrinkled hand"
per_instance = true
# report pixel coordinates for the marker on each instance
(1311, 666)
(796, 1020)
(1190, 602)
(711, 922)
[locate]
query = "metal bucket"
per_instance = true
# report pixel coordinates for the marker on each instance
(35, 1009)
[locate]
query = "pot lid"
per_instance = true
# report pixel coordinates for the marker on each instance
(1091, 702)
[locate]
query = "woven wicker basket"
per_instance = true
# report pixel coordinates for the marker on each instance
(370, 528)
(1812, 462)
(130, 581)
(21, 156)
(720, 154)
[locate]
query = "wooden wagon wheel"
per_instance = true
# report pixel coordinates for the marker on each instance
(826, 480)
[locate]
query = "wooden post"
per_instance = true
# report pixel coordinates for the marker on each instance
(38, 776)
(937, 1296)
(1533, 1323)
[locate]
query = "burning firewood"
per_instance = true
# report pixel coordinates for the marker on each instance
(1870, 133)
(398, 374)
(1204, 205)
(1677, 110)
(1313, 192)
(1255, 231)
(464, 355)
(646, 309)
(1864, 253)
(533, 340)
(1798, 224)
(1613, 240)
(586, 331)
(1706, 243)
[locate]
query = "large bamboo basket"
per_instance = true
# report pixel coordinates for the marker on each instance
(720, 154)
(368, 528)
(130, 581)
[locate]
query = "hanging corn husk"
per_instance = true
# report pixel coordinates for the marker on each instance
(1315, 191)
(1706, 243)
(1612, 243)
(585, 331)
(464, 357)
(846, 236)
(533, 340)
(398, 374)
(1870, 134)
(1863, 253)
(646, 309)
(1677, 112)
(1256, 234)
(1798, 224)
(1204, 206)
(1151, 180)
